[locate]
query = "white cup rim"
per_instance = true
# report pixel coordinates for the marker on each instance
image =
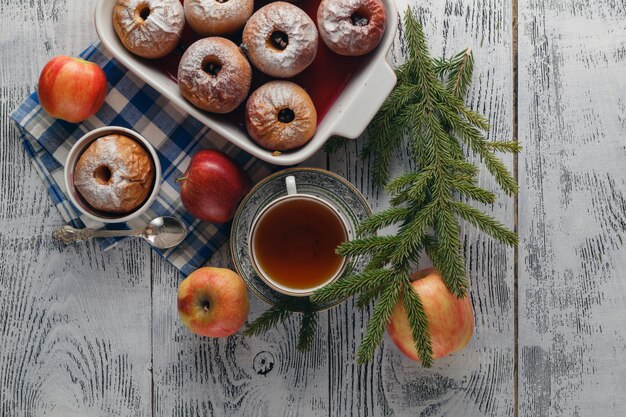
(294, 292)
(78, 149)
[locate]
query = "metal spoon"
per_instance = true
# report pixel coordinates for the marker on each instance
(162, 233)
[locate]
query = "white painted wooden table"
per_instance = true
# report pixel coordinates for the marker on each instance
(87, 333)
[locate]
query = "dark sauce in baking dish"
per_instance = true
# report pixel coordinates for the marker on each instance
(324, 80)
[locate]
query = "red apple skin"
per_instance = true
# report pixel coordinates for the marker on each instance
(213, 302)
(450, 319)
(71, 89)
(212, 186)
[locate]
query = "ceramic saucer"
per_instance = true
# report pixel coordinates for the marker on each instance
(325, 184)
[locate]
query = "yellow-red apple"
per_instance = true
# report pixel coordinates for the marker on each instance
(71, 89)
(213, 302)
(450, 319)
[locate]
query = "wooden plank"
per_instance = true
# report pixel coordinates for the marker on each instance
(572, 208)
(236, 376)
(74, 322)
(480, 380)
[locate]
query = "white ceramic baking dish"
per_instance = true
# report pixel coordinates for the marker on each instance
(348, 117)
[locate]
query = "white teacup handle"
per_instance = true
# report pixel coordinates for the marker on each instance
(290, 181)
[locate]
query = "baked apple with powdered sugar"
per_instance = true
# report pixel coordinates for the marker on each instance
(280, 40)
(115, 174)
(214, 75)
(149, 28)
(280, 116)
(351, 27)
(217, 17)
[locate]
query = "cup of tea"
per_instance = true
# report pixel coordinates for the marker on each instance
(293, 239)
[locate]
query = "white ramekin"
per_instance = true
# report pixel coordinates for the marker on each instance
(348, 117)
(77, 150)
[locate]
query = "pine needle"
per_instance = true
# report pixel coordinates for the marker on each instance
(378, 322)
(460, 73)
(335, 143)
(485, 223)
(306, 336)
(366, 297)
(353, 284)
(418, 323)
(276, 314)
(505, 146)
(369, 245)
(427, 107)
(382, 219)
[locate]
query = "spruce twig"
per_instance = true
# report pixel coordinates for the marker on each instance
(306, 336)
(280, 312)
(376, 326)
(418, 323)
(427, 107)
(273, 316)
(335, 143)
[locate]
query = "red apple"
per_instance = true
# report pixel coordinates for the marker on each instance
(450, 319)
(212, 186)
(71, 89)
(213, 302)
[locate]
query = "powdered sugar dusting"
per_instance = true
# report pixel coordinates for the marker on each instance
(154, 37)
(210, 17)
(262, 110)
(221, 93)
(338, 32)
(130, 174)
(301, 32)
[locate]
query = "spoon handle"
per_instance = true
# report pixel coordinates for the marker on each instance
(69, 234)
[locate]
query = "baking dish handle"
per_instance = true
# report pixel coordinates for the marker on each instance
(371, 96)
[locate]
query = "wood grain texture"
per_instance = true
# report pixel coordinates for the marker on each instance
(81, 330)
(480, 380)
(236, 376)
(74, 322)
(572, 343)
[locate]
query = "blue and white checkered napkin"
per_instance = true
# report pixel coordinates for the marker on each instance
(177, 137)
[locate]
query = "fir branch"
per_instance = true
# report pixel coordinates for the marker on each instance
(418, 323)
(443, 66)
(411, 234)
(378, 261)
(460, 74)
(485, 223)
(401, 182)
(372, 245)
(273, 316)
(473, 191)
(501, 174)
(448, 258)
(417, 191)
(464, 168)
(386, 132)
(382, 219)
(504, 146)
(335, 143)
(280, 312)
(366, 297)
(306, 336)
(355, 283)
(378, 322)
(474, 139)
(426, 105)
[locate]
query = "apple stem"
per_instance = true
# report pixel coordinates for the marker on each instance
(181, 179)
